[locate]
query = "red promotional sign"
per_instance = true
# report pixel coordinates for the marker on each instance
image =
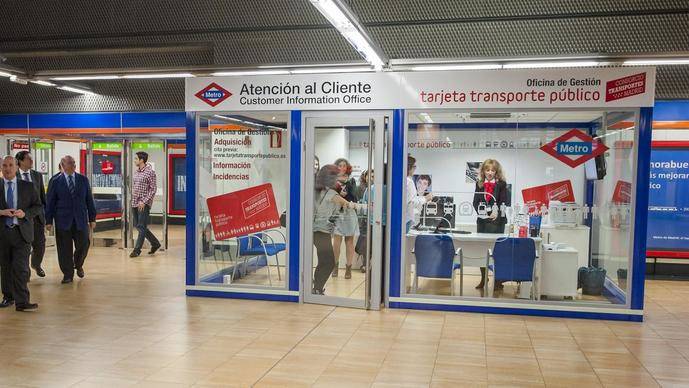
(535, 197)
(622, 192)
(107, 167)
(625, 87)
(242, 212)
(574, 148)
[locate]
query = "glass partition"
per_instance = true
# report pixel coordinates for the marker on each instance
(526, 207)
(243, 190)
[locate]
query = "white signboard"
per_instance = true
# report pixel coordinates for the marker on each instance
(532, 88)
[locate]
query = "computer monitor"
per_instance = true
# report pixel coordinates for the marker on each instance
(439, 213)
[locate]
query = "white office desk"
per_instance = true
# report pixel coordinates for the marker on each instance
(474, 246)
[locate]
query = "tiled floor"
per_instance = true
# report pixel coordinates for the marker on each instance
(128, 323)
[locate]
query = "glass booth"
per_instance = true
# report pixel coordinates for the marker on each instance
(534, 209)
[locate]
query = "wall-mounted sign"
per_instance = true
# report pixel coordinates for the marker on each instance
(668, 203)
(147, 146)
(42, 146)
(107, 146)
(513, 89)
(244, 211)
(574, 148)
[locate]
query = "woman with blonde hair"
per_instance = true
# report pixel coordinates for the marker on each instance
(490, 195)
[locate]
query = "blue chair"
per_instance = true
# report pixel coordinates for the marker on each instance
(261, 244)
(513, 260)
(435, 255)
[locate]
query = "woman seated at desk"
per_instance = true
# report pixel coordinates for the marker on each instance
(490, 195)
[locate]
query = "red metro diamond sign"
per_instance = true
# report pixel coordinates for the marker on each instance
(574, 148)
(213, 94)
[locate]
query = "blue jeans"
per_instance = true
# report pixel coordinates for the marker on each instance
(141, 219)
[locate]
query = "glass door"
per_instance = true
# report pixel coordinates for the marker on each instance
(102, 162)
(343, 208)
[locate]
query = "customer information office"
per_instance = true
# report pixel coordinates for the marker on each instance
(490, 191)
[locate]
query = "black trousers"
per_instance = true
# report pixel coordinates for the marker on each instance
(326, 259)
(72, 248)
(141, 220)
(38, 244)
(14, 265)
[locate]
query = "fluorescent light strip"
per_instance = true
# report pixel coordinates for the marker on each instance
(85, 77)
(4, 74)
(653, 62)
(76, 90)
(251, 123)
(543, 65)
(41, 82)
(250, 72)
(475, 66)
(346, 27)
(161, 75)
(331, 70)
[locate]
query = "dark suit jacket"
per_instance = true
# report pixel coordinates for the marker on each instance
(65, 209)
(28, 201)
(37, 180)
(500, 194)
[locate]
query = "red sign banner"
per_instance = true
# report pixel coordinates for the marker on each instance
(535, 197)
(625, 87)
(574, 148)
(622, 193)
(243, 212)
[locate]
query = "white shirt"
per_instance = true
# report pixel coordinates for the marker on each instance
(26, 177)
(14, 190)
(74, 178)
(414, 201)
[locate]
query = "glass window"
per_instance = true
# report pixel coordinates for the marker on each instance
(530, 207)
(243, 190)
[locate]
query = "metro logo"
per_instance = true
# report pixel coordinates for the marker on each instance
(574, 148)
(213, 94)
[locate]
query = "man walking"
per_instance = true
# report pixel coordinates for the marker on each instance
(19, 205)
(143, 192)
(70, 205)
(28, 174)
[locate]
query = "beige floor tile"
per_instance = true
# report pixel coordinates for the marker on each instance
(625, 378)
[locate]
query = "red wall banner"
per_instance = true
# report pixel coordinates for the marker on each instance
(536, 196)
(244, 211)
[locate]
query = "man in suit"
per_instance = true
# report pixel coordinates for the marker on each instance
(19, 204)
(70, 205)
(28, 174)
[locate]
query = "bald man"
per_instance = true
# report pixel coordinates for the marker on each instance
(70, 207)
(19, 206)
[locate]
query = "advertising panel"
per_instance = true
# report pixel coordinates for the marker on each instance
(668, 203)
(242, 212)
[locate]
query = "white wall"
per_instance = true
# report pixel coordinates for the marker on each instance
(64, 148)
(331, 144)
(671, 134)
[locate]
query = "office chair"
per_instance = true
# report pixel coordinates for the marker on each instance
(513, 260)
(435, 256)
(255, 244)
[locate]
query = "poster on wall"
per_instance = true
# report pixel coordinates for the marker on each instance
(177, 181)
(242, 212)
(668, 202)
(622, 194)
(472, 172)
(423, 183)
(535, 197)
(107, 169)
